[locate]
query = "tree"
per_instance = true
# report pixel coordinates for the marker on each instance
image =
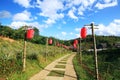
(6, 31)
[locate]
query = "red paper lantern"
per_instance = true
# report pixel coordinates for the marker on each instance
(50, 41)
(74, 45)
(75, 41)
(30, 34)
(83, 33)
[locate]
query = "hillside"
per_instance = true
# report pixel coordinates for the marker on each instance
(38, 56)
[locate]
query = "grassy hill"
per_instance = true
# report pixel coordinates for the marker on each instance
(37, 58)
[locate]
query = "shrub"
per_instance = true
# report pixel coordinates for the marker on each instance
(32, 56)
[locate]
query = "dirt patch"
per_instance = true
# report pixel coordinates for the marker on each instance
(7, 38)
(2, 79)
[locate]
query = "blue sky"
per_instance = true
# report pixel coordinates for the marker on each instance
(62, 19)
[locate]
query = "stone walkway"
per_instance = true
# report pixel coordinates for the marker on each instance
(60, 69)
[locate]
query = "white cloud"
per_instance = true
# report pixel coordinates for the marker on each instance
(18, 24)
(76, 2)
(107, 3)
(85, 5)
(53, 10)
(81, 9)
(71, 13)
(71, 33)
(64, 33)
(112, 29)
(23, 16)
(23, 3)
(49, 21)
(77, 29)
(50, 9)
(5, 14)
(88, 5)
(117, 21)
(81, 5)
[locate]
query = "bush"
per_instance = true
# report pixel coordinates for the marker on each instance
(9, 66)
(32, 56)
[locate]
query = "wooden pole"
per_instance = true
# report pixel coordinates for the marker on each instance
(95, 52)
(24, 50)
(54, 45)
(24, 56)
(80, 52)
(46, 49)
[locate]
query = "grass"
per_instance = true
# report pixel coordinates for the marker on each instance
(35, 61)
(60, 66)
(61, 62)
(57, 73)
(81, 73)
(108, 66)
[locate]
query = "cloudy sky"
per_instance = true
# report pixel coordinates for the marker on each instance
(62, 19)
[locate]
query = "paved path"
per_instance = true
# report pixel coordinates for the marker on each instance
(54, 72)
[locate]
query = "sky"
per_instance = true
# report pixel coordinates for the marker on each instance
(62, 19)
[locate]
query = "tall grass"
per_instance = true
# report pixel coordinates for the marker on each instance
(37, 59)
(108, 64)
(82, 74)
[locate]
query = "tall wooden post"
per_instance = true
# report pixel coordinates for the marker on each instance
(46, 51)
(24, 50)
(80, 52)
(54, 45)
(24, 56)
(95, 52)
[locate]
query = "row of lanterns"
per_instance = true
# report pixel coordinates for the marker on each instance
(30, 35)
(57, 44)
(83, 34)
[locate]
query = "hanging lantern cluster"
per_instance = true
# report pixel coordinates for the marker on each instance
(83, 32)
(29, 34)
(50, 41)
